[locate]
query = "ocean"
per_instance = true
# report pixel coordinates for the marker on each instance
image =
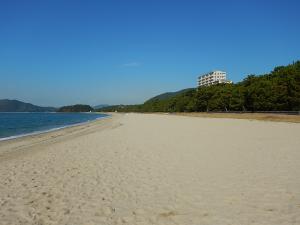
(14, 125)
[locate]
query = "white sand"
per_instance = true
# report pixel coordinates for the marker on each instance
(154, 169)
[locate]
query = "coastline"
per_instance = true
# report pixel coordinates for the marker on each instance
(51, 129)
(153, 169)
(22, 145)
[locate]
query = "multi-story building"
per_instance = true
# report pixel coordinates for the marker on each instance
(215, 77)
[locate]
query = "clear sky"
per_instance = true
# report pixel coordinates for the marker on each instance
(59, 52)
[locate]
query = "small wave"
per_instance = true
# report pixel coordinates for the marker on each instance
(51, 129)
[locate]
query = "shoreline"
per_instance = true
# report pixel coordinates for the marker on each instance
(20, 146)
(51, 129)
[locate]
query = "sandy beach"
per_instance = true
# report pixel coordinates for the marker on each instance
(154, 169)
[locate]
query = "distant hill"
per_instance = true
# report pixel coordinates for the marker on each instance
(100, 106)
(76, 108)
(7, 105)
(141, 107)
(168, 95)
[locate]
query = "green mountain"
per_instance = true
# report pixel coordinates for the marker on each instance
(169, 95)
(100, 106)
(76, 108)
(135, 108)
(7, 105)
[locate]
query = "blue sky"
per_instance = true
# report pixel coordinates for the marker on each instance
(66, 52)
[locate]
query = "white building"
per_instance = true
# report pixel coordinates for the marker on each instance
(215, 77)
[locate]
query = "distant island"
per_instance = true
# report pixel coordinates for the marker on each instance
(7, 105)
(76, 108)
(277, 91)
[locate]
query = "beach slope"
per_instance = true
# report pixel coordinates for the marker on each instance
(154, 169)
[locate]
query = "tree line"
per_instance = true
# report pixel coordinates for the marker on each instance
(278, 90)
(76, 108)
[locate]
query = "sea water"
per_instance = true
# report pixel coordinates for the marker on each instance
(14, 125)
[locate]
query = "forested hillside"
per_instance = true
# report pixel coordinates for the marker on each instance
(7, 105)
(76, 108)
(277, 91)
(169, 95)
